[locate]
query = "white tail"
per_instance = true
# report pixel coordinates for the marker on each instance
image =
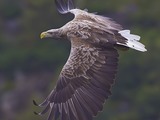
(132, 41)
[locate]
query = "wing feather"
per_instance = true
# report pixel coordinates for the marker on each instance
(64, 6)
(81, 91)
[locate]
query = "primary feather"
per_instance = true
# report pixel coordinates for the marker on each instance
(64, 6)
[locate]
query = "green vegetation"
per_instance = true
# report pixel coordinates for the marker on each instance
(31, 63)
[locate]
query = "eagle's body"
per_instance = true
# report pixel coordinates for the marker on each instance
(88, 75)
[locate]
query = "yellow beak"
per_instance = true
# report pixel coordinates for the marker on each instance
(43, 35)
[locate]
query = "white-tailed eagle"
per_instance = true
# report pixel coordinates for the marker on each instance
(87, 77)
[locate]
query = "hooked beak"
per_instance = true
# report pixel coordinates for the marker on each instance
(43, 35)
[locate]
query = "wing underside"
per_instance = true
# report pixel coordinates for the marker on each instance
(84, 84)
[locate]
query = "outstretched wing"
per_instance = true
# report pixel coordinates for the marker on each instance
(84, 84)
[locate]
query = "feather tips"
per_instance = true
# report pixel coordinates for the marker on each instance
(64, 6)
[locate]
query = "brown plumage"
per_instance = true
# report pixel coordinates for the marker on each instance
(87, 77)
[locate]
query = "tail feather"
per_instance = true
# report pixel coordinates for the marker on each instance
(132, 41)
(127, 35)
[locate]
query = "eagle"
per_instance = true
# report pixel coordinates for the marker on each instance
(85, 82)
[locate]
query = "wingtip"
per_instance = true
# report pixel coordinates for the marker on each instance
(64, 6)
(35, 113)
(35, 103)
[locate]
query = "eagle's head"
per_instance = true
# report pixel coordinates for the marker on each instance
(53, 33)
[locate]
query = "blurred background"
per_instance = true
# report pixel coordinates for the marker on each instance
(29, 67)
